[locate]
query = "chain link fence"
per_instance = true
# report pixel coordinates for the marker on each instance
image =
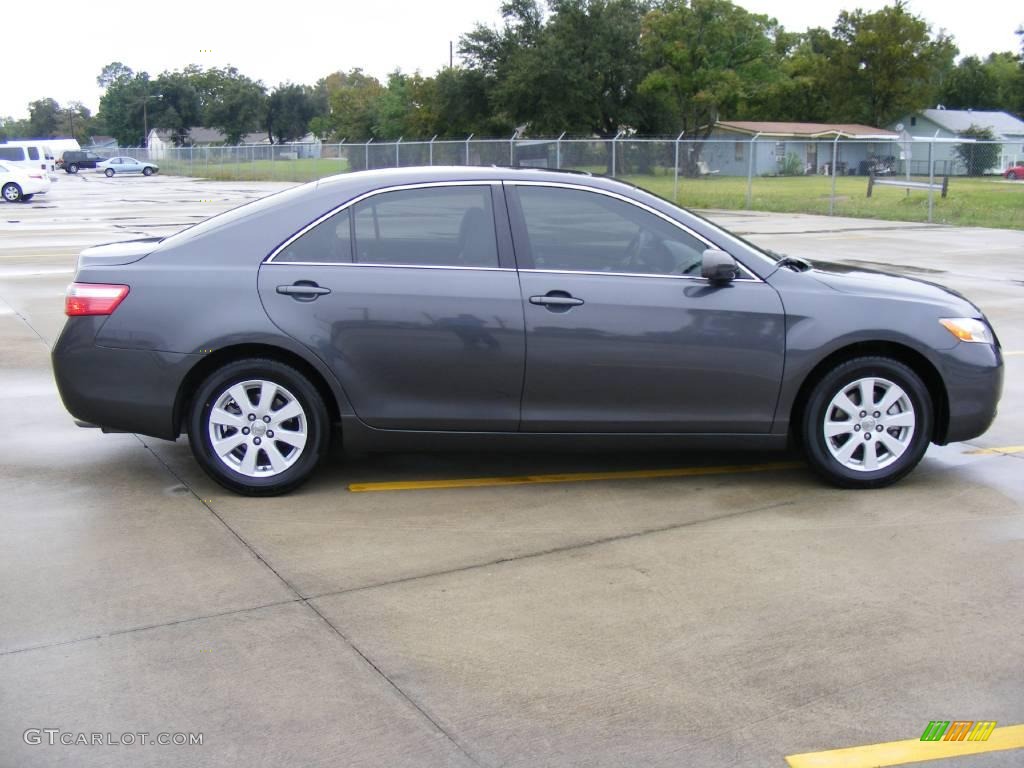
(828, 176)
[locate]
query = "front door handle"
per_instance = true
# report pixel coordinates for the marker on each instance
(556, 301)
(303, 290)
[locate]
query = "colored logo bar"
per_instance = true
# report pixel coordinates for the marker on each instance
(958, 730)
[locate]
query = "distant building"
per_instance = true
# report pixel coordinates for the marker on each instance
(948, 124)
(160, 142)
(792, 148)
(102, 142)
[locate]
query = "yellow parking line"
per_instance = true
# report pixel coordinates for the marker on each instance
(909, 751)
(572, 477)
(1002, 449)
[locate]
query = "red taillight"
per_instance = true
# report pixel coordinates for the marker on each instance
(93, 298)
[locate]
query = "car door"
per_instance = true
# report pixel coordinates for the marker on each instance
(622, 333)
(411, 296)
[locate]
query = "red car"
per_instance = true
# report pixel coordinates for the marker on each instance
(1014, 172)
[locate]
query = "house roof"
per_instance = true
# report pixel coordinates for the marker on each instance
(957, 120)
(806, 130)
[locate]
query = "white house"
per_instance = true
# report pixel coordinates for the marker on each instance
(948, 124)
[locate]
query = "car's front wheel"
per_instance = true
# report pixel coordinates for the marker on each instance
(868, 423)
(147, 171)
(11, 192)
(258, 427)
(73, 168)
(108, 172)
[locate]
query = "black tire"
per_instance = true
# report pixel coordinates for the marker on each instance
(317, 427)
(108, 172)
(73, 168)
(26, 198)
(11, 192)
(147, 171)
(840, 378)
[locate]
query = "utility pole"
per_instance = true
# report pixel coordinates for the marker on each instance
(451, 55)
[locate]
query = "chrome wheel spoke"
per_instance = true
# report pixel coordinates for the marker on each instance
(867, 394)
(228, 444)
(845, 452)
(286, 412)
(894, 446)
(267, 393)
(277, 462)
(870, 455)
(227, 419)
(240, 396)
(289, 437)
(903, 419)
(889, 399)
(834, 428)
(248, 464)
(846, 405)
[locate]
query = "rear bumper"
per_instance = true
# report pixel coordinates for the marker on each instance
(122, 390)
(974, 383)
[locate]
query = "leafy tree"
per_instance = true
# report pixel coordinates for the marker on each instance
(705, 58)
(355, 100)
(178, 106)
(126, 104)
(113, 72)
(884, 64)
(408, 107)
(44, 118)
(290, 109)
(979, 158)
(14, 129)
(463, 105)
(231, 102)
(802, 92)
(77, 121)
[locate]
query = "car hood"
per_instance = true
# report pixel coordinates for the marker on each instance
(116, 254)
(861, 281)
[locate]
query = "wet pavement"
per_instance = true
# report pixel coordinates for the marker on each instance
(699, 620)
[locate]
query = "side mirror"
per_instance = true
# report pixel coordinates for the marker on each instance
(718, 266)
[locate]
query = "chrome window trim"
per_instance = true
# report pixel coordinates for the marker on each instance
(348, 204)
(384, 266)
(642, 206)
(631, 274)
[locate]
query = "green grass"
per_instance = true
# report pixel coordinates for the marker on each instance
(971, 202)
(987, 202)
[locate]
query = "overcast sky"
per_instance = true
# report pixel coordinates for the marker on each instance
(276, 42)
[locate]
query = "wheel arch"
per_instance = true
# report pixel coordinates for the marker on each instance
(910, 357)
(225, 355)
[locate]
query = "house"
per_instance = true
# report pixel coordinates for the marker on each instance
(947, 124)
(778, 148)
(160, 142)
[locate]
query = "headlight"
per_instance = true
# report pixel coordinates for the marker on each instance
(968, 329)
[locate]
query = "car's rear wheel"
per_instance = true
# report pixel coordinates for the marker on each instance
(258, 427)
(11, 192)
(868, 423)
(108, 172)
(73, 168)
(147, 171)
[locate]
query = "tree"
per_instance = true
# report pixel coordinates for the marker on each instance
(979, 158)
(178, 106)
(463, 105)
(230, 102)
(126, 103)
(705, 58)
(354, 100)
(44, 118)
(14, 129)
(884, 64)
(290, 109)
(113, 72)
(77, 122)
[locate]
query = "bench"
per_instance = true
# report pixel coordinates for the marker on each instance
(909, 185)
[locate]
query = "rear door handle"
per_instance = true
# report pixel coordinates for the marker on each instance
(303, 290)
(556, 299)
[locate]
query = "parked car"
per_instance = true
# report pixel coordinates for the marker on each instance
(20, 185)
(126, 165)
(1014, 172)
(72, 162)
(29, 155)
(429, 308)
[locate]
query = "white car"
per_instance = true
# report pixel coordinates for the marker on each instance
(126, 165)
(21, 184)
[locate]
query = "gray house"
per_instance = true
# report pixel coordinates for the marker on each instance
(793, 148)
(946, 124)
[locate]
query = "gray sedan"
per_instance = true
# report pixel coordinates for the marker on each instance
(117, 165)
(430, 308)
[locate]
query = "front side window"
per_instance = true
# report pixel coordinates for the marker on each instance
(329, 242)
(574, 230)
(433, 226)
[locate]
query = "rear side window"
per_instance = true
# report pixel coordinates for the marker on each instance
(329, 242)
(434, 226)
(12, 153)
(33, 153)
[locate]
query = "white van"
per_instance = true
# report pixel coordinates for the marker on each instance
(33, 154)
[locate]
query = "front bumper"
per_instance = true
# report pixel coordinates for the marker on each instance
(118, 390)
(974, 383)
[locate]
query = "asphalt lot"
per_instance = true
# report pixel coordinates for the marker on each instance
(699, 620)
